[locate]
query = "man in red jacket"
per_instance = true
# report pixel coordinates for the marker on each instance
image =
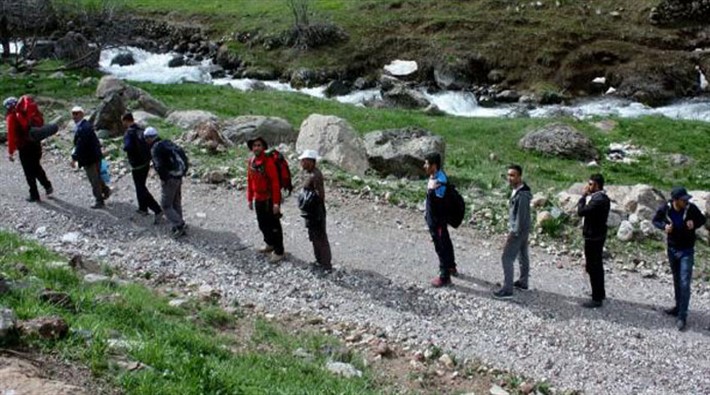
(264, 196)
(18, 139)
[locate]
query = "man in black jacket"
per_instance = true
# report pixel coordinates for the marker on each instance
(138, 153)
(435, 216)
(87, 154)
(170, 163)
(595, 214)
(679, 219)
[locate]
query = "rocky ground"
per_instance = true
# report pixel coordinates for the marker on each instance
(384, 259)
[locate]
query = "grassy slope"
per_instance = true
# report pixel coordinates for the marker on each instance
(187, 349)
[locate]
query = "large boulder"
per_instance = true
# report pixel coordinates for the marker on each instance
(123, 59)
(108, 115)
(335, 140)
(450, 77)
(560, 140)
(403, 97)
(227, 59)
(632, 197)
(680, 11)
(190, 118)
(131, 96)
(401, 152)
(274, 130)
(207, 135)
(75, 49)
(152, 105)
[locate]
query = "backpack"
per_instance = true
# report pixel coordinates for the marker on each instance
(455, 206)
(282, 168)
(179, 164)
(28, 113)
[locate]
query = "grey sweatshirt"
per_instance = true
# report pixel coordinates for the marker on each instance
(519, 212)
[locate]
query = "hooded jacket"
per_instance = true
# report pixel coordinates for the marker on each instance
(137, 149)
(680, 238)
(87, 147)
(595, 214)
(519, 212)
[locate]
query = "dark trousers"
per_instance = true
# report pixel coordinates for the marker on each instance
(682, 261)
(145, 199)
(321, 246)
(30, 156)
(98, 188)
(270, 225)
(171, 201)
(516, 247)
(593, 250)
(444, 249)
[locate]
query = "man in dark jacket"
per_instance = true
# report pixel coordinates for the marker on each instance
(595, 214)
(436, 220)
(315, 214)
(18, 139)
(679, 219)
(516, 244)
(138, 153)
(171, 165)
(87, 154)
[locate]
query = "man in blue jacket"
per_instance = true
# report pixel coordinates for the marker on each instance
(679, 219)
(436, 220)
(87, 154)
(595, 214)
(138, 153)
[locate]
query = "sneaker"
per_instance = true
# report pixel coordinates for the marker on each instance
(680, 324)
(32, 199)
(98, 205)
(439, 282)
(592, 304)
(178, 231)
(502, 294)
(673, 311)
(453, 272)
(519, 285)
(49, 191)
(266, 249)
(106, 193)
(276, 258)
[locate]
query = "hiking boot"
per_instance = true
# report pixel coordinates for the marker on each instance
(106, 193)
(178, 231)
(680, 324)
(673, 311)
(592, 304)
(49, 191)
(502, 294)
(519, 285)
(98, 205)
(266, 249)
(276, 258)
(453, 272)
(439, 282)
(32, 199)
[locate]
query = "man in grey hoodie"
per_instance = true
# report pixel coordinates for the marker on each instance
(516, 244)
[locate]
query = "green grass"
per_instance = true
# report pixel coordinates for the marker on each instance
(184, 355)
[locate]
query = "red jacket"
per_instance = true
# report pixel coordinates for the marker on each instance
(18, 120)
(16, 136)
(263, 180)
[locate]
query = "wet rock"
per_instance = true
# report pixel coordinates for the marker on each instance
(337, 88)
(335, 140)
(50, 328)
(508, 96)
(402, 97)
(433, 110)
(123, 59)
(177, 61)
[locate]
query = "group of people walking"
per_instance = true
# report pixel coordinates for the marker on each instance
(144, 147)
(678, 218)
(267, 175)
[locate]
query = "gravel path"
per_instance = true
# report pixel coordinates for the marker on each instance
(384, 260)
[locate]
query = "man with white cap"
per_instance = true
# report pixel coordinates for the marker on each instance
(171, 164)
(19, 139)
(87, 154)
(312, 205)
(679, 219)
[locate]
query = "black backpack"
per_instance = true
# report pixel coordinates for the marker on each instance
(454, 205)
(179, 164)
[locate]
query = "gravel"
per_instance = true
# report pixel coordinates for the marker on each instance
(384, 259)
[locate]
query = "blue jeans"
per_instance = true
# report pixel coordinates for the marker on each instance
(681, 261)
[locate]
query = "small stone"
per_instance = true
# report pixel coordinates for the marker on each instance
(343, 369)
(71, 237)
(177, 302)
(92, 278)
(52, 327)
(208, 293)
(447, 361)
(497, 390)
(526, 388)
(61, 299)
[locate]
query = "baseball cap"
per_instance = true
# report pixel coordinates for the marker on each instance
(309, 154)
(150, 132)
(680, 193)
(77, 109)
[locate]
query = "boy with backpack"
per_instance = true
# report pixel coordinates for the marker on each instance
(264, 196)
(138, 153)
(20, 116)
(171, 164)
(437, 219)
(87, 155)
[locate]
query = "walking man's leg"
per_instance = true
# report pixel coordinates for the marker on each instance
(685, 276)
(675, 271)
(167, 200)
(28, 158)
(262, 217)
(510, 252)
(524, 261)
(593, 251)
(92, 173)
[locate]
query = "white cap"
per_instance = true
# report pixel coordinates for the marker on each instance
(150, 132)
(77, 109)
(309, 154)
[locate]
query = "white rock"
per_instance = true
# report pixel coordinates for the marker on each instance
(401, 67)
(599, 80)
(496, 390)
(343, 369)
(610, 91)
(71, 237)
(614, 219)
(177, 302)
(92, 278)
(625, 232)
(41, 231)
